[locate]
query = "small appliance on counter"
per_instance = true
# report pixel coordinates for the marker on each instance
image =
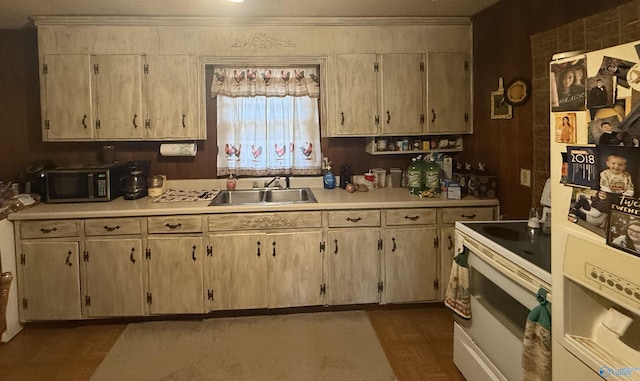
(32, 177)
(84, 183)
(134, 184)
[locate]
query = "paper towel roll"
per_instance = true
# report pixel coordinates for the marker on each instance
(178, 149)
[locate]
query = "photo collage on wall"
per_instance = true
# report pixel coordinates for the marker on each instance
(603, 169)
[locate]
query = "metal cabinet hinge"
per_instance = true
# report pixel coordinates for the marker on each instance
(86, 256)
(436, 242)
(146, 68)
(376, 67)
(46, 124)
(97, 124)
(322, 246)
(147, 123)
(421, 66)
(376, 120)
(421, 118)
(209, 251)
(210, 294)
(96, 69)
(149, 298)
(380, 244)
(380, 286)
(466, 65)
(436, 284)
(45, 69)
(147, 254)
(466, 117)
(87, 300)
(25, 304)
(323, 288)
(23, 259)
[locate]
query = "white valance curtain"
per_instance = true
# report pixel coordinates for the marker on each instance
(267, 124)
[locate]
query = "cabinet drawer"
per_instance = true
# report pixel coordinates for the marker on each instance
(174, 224)
(112, 226)
(255, 221)
(49, 229)
(411, 216)
(349, 218)
(451, 215)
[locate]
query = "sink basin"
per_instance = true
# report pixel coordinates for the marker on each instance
(263, 197)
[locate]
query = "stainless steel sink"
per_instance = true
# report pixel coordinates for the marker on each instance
(263, 197)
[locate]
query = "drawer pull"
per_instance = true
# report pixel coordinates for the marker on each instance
(131, 258)
(172, 226)
(258, 243)
(450, 242)
(357, 219)
(84, 121)
(67, 261)
(274, 248)
(395, 247)
(336, 249)
(470, 217)
(414, 218)
(46, 231)
(111, 228)
(342, 118)
(388, 117)
(193, 253)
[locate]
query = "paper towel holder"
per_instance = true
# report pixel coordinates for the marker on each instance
(179, 149)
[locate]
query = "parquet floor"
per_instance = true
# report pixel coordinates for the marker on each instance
(417, 339)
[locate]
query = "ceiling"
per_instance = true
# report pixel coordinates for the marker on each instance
(15, 14)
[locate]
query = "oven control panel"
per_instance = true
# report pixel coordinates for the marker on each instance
(613, 282)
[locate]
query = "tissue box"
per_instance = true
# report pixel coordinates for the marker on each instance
(452, 190)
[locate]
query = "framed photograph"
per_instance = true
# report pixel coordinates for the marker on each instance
(500, 108)
(567, 84)
(565, 127)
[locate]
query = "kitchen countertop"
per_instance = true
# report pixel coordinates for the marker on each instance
(333, 199)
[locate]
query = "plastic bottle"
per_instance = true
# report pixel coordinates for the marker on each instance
(329, 179)
(414, 177)
(432, 176)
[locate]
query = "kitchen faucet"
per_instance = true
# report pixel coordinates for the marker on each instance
(286, 182)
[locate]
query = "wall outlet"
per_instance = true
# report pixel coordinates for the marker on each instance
(525, 177)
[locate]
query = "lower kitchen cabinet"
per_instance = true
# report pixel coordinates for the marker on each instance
(50, 280)
(176, 278)
(411, 252)
(237, 271)
(114, 277)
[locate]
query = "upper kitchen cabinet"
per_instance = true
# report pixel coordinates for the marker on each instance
(400, 110)
(447, 107)
(118, 97)
(353, 95)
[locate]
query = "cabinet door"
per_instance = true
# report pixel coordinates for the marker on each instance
(447, 251)
(402, 79)
(238, 271)
(354, 266)
(295, 269)
(170, 111)
(448, 93)
(175, 275)
(67, 108)
(354, 95)
(119, 96)
(410, 264)
(114, 277)
(51, 280)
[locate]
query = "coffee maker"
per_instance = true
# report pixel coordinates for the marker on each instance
(134, 184)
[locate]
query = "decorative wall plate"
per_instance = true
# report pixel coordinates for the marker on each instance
(517, 92)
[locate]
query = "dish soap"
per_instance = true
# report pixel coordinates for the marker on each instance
(329, 179)
(231, 183)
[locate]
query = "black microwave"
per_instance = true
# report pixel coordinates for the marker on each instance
(84, 183)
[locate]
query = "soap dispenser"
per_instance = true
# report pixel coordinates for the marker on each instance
(329, 179)
(231, 182)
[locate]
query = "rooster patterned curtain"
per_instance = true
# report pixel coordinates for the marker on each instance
(267, 124)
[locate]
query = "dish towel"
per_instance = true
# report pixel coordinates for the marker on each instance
(536, 353)
(457, 296)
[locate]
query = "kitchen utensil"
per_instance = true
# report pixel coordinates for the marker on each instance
(157, 185)
(134, 185)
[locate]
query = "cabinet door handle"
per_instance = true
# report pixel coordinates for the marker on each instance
(135, 125)
(336, 249)
(414, 218)
(433, 115)
(450, 242)
(470, 217)
(258, 243)
(388, 117)
(172, 226)
(357, 219)
(193, 253)
(84, 121)
(111, 228)
(342, 118)
(47, 231)
(395, 247)
(274, 248)
(131, 258)
(183, 125)
(67, 261)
